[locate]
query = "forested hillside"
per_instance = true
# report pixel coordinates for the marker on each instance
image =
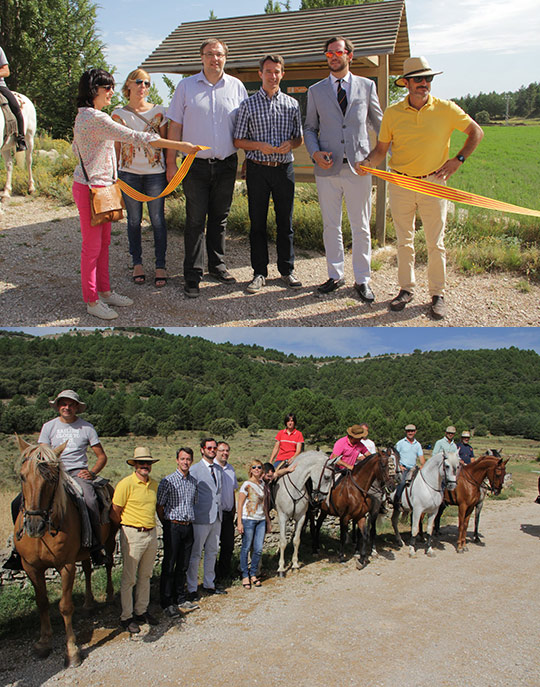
(149, 382)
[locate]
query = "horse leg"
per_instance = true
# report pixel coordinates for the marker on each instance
(296, 542)
(363, 532)
(437, 523)
(343, 529)
(88, 596)
(72, 656)
(415, 526)
(44, 644)
(429, 532)
(282, 544)
(394, 520)
(29, 151)
(464, 515)
(8, 161)
(315, 540)
(477, 511)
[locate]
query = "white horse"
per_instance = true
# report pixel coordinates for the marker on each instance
(425, 495)
(30, 122)
(292, 498)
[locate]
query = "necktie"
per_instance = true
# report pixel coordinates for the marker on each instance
(341, 96)
(213, 474)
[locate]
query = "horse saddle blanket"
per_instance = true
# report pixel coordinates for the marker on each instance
(75, 492)
(10, 127)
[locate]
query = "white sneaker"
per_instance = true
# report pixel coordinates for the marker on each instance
(116, 299)
(291, 280)
(256, 284)
(101, 310)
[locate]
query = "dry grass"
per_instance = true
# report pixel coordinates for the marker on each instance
(6, 526)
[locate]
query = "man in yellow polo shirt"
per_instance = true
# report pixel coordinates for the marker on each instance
(134, 508)
(419, 129)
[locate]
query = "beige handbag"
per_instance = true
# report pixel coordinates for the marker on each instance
(106, 202)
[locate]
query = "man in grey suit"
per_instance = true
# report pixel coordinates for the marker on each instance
(339, 109)
(207, 524)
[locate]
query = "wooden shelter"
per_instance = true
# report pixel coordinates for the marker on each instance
(378, 32)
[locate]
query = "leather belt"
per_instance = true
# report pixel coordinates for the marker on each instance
(268, 163)
(140, 529)
(410, 175)
(213, 160)
(181, 522)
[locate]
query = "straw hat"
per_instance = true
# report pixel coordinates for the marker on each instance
(467, 435)
(141, 453)
(415, 66)
(73, 395)
(450, 430)
(357, 432)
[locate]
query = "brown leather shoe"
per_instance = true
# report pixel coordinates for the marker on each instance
(438, 307)
(401, 300)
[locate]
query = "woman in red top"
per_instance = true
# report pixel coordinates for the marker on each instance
(288, 442)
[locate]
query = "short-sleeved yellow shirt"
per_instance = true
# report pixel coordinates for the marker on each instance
(138, 499)
(421, 138)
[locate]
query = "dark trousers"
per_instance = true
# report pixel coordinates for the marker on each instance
(177, 544)
(208, 188)
(278, 182)
(223, 564)
(15, 108)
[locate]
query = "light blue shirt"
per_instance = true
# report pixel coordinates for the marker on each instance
(408, 452)
(230, 483)
(207, 112)
(444, 446)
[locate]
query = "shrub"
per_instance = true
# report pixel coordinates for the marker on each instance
(224, 427)
(482, 117)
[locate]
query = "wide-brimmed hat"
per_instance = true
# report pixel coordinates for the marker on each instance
(415, 66)
(357, 432)
(141, 453)
(450, 430)
(68, 393)
(467, 435)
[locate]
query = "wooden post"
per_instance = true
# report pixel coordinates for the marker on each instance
(380, 208)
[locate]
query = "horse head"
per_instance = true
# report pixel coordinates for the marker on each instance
(387, 465)
(322, 477)
(41, 475)
(450, 464)
(496, 475)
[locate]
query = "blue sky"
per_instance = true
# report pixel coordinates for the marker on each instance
(480, 46)
(348, 341)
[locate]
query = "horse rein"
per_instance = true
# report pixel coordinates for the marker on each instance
(45, 515)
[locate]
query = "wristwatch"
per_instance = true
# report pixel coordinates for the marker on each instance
(460, 158)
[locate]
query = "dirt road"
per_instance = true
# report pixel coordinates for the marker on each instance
(468, 619)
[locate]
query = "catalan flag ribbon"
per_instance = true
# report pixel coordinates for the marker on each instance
(428, 188)
(173, 183)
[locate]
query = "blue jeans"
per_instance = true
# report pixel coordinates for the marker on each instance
(254, 531)
(151, 185)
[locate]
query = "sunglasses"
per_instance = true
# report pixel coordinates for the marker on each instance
(256, 467)
(419, 79)
(337, 53)
(144, 462)
(211, 448)
(142, 81)
(108, 87)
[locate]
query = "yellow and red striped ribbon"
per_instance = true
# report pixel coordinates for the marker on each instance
(173, 183)
(428, 188)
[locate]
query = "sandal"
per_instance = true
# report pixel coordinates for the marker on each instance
(246, 584)
(139, 278)
(160, 282)
(256, 582)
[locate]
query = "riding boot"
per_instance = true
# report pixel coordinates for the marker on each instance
(21, 143)
(14, 562)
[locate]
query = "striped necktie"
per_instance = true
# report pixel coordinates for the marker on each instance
(341, 97)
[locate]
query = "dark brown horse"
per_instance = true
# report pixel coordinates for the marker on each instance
(349, 500)
(48, 535)
(468, 491)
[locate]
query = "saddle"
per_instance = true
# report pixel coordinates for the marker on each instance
(103, 493)
(10, 128)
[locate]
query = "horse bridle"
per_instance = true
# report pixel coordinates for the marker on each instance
(44, 514)
(439, 491)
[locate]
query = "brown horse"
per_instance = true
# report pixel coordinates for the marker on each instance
(468, 491)
(349, 500)
(48, 535)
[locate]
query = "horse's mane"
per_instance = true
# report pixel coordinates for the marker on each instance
(43, 460)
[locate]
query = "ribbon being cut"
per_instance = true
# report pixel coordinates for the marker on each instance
(428, 188)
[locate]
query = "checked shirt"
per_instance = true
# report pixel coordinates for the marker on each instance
(272, 120)
(177, 494)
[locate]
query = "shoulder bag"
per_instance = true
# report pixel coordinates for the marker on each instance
(106, 202)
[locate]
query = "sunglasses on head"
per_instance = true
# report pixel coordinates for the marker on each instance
(419, 79)
(142, 81)
(337, 53)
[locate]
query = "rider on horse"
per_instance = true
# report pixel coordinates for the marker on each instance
(79, 434)
(12, 100)
(408, 450)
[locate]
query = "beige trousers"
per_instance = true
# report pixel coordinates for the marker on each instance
(403, 205)
(138, 555)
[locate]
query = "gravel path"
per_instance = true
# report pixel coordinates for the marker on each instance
(40, 285)
(468, 620)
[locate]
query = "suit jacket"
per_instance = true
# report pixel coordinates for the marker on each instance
(208, 506)
(345, 136)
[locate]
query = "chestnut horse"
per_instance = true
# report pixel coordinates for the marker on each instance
(48, 535)
(349, 500)
(468, 492)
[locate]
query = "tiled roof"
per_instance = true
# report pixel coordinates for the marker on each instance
(375, 29)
